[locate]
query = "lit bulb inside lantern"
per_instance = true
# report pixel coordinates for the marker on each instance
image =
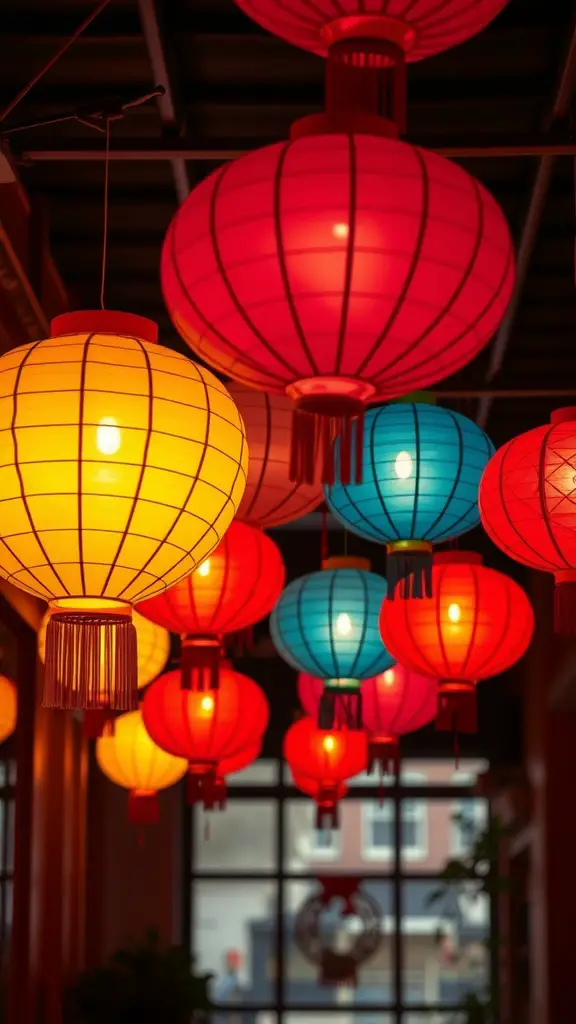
(403, 465)
(204, 569)
(389, 677)
(207, 703)
(343, 624)
(329, 743)
(454, 612)
(108, 437)
(340, 230)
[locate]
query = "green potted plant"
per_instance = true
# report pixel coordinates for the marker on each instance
(145, 983)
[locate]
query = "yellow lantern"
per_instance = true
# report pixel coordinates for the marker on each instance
(122, 464)
(132, 760)
(8, 708)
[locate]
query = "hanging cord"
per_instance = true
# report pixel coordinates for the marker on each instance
(324, 535)
(105, 225)
(40, 74)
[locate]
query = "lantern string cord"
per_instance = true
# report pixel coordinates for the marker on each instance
(53, 60)
(105, 225)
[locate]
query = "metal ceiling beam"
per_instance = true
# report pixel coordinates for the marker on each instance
(160, 75)
(560, 109)
(144, 150)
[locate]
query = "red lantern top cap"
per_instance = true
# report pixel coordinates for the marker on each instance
(104, 321)
(346, 562)
(563, 415)
(452, 557)
(366, 26)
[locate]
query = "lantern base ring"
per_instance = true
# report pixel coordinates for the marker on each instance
(409, 569)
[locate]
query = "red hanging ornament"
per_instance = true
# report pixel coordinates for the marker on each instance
(327, 758)
(205, 727)
(393, 703)
(237, 586)
(327, 802)
(478, 624)
(229, 766)
(528, 506)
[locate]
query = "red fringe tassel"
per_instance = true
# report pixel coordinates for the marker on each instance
(200, 663)
(91, 661)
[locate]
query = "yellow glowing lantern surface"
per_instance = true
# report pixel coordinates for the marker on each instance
(122, 464)
(8, 708)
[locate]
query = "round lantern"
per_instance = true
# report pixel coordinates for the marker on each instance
(327, 758)
(271, 498)
(393, 703)
(8, 708)
(229, 766)
(528, 506)
(478, 624)
(122, 468)
(205, 727)
(132, 760)
(339, 267)
(234, 588)
(421, 27)
(422, 470)
(326, 624)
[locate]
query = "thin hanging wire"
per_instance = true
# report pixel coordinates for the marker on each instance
(105, 226)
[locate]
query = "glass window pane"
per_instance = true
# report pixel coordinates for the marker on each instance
(340, 1015)
(260, 773)
(233, 936)
(442, 772)
(434, 831)
(240, 838)
(444, 943)
(363, 842)
(237, 1016)
(432, 1017)
(303, 977)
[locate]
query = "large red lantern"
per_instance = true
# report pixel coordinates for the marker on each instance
(421, 27)
(271, 498)
(528, 505)
(341, 267)
(478, 624)
(393, 703)
(237, 586)
(328, 758)
(205, 727)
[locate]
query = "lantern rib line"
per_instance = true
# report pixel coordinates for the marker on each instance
(195, 617)
(265, 456)
(483, 670)
(472, 637)
(23, 495)
(228, 284)
(349, 264)
(282, 264)
(354, 666)
(417, 447)
(81, 397)
(542, 498)
(222, 594)
(100, 494)
(270, 374)
(374, 462)
(464, 279)
(428, 533)
(503, 504)
(331, 626)
(302, 630)
(442, 645)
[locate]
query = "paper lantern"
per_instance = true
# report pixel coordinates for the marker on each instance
(478, 624)
(528, 506)
(393, 703)
(421, 27)
(234, 588)
(422, 469)
(203, 727)
(229, 766)
(326, 757)
(339, 267)
(271, 498)
(123, 464)
(131, 759)
(8, 708)
(326, 623)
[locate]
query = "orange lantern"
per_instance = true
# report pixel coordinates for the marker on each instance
(131, 759)
(122, 465)
(8, 708)
(237, 586)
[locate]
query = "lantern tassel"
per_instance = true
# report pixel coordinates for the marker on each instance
(565, 608)
(327, 815)
(457, 708)
(201, 788)
(98, 722)
(90, 661)
(215, 797)
(200, 662)
(142, 808)
(340, 708)
(384, 752)
(409, 570)
(317, 431)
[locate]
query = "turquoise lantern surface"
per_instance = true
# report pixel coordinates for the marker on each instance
(326, 623)
(421, 474)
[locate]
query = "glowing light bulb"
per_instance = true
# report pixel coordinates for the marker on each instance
(403, 465)
(329, 744)
(389, 677)
(343, 624)
(207, 704)
(454, 612)
(204, 569)
(108, 436)
(340, 230)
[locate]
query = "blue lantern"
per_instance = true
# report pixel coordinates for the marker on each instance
(326, 623)
(421, 473)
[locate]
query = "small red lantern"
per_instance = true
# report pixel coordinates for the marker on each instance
(229, 766)
(237, 586)
(205, 727)
(327, 758)
(271, 498)
(528, 506)
(395, 702)
(478, 624)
